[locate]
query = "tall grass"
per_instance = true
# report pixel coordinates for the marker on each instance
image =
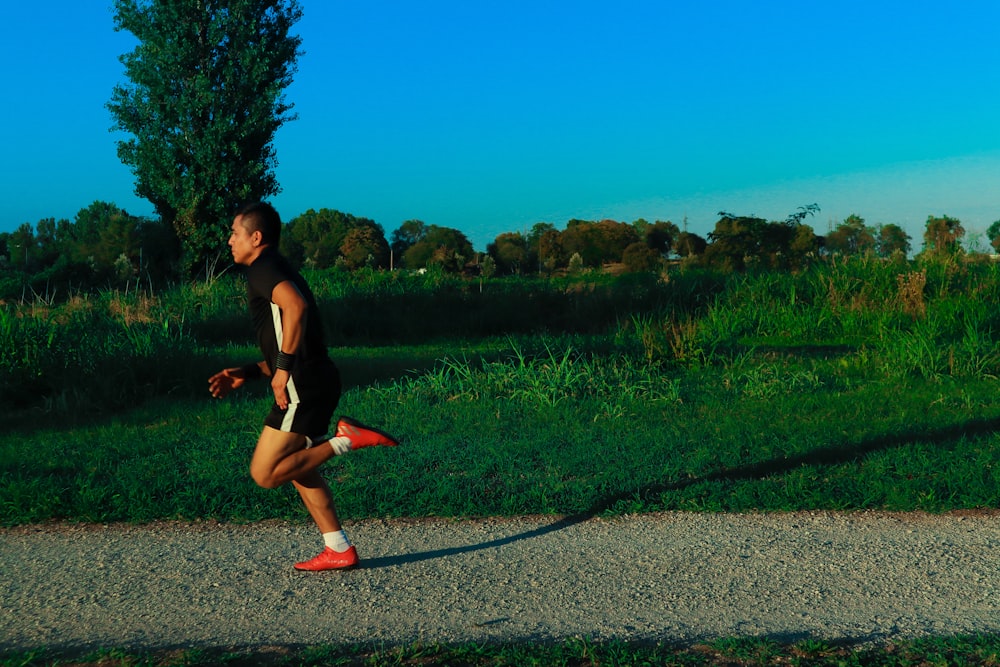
(556, 376)
(402, 308)
(108, 350)
(929, 320)
(115, 348)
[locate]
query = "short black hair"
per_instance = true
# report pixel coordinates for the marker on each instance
(261, 217)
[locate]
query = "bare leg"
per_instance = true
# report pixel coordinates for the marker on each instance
(282, 457)
(318, 499)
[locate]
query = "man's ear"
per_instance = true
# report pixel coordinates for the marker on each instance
(257, 237)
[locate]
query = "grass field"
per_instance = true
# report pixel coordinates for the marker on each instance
(854, 385)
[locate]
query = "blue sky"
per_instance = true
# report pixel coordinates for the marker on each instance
(491, 117)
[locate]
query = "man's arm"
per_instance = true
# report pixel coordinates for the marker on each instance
(223, 382)
(293, 319)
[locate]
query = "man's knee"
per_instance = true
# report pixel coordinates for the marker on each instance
(264, 477)
(269, 465)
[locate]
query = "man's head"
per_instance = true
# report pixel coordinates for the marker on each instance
(255, 227)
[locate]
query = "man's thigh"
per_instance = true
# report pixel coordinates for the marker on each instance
(272, 447)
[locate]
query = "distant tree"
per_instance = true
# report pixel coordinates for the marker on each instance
(538, 230)
(661, 236)
(22, 247)
(689, 244)
(579, 238)
(739, 241)
(802, 213)
(729, 243)
(365, 246)
(851, 237)
(775, 249)
(487, 268)
(549, 251)
(442, 246)
(102, 246)
(317, 238)
(613, 237)
(204, 100)
(943, 235)
(993, 234)
(409, 234)
(14, 262)
(735, 240)
(47, 235)
(509, 252)
(118, 237)
(575, 264)
(640, 225)
(804, 244)
(597, 242)
(640, 258)
(892, 239)
(543, 247)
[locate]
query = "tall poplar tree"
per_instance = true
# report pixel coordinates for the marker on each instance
(204, 100)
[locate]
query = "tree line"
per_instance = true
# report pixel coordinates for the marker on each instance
(104, 246)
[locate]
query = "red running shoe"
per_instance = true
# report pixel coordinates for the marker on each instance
(363, 436)
(330, 560)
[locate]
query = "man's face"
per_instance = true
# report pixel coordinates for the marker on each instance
(244, 245)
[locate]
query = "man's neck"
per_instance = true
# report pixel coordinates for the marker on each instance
(257, 253)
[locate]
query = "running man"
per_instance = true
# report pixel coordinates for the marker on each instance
(295, 440)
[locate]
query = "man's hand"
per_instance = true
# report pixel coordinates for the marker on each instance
(279, 382)
(223, 382)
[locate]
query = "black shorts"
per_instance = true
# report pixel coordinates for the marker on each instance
(313, 393)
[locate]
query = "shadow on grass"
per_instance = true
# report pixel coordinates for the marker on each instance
(827, 456)
(362, 373)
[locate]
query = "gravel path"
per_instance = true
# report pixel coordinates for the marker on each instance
(866, 578)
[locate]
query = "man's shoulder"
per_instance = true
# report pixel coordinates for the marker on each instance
(268, 270)
(269, 260)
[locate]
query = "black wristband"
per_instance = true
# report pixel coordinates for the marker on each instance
(284, 362)
(251, 372)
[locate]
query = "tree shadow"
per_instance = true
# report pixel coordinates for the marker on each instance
(827, 456)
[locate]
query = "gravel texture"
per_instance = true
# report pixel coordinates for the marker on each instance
(860, 577)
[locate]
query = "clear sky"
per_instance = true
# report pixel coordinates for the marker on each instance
(492, 116)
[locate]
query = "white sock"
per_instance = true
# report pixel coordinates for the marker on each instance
(340, 444)
(337, 540)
